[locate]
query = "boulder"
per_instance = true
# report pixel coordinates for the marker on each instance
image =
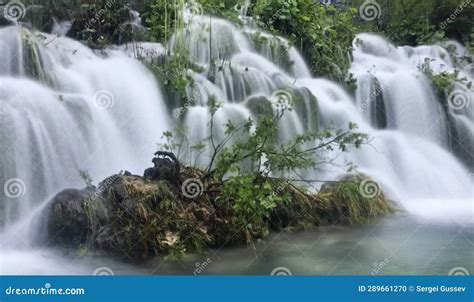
(68, 222)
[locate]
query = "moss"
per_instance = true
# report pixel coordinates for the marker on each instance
(348, 203)
(148, 218)
(274, 48)
(34, 65)
(259, 105)
(341, 202)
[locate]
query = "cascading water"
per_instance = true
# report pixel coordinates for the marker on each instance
(415, 144)
(64, 108)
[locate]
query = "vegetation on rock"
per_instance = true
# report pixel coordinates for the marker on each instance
(176, 209)
(138, 218)
(322, 32)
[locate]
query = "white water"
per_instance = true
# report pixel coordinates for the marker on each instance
(412, 152)
(92, 113)
(80, 110)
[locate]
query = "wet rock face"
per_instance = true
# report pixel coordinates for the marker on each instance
(131, 216)
(139, 217)
(166, 167)
(68, 222)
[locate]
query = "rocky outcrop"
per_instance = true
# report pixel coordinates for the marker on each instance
(68, 218)
(173, 213)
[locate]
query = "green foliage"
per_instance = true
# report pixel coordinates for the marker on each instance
(346, 196)
(222, 8)
(162, 18)
(172, 73)
(443, 82)
(249, 155)
(252, 200)
(100, 23)
(416, 22)
(323, 34)
(256, 146)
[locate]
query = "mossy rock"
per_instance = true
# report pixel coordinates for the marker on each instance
(139, 218)
(259, 105)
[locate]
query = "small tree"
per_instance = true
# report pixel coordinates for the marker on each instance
(247, 160)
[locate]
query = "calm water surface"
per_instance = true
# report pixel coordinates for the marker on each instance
(396, 245)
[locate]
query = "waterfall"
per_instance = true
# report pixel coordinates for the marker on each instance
(65, 108)
(421, 148)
